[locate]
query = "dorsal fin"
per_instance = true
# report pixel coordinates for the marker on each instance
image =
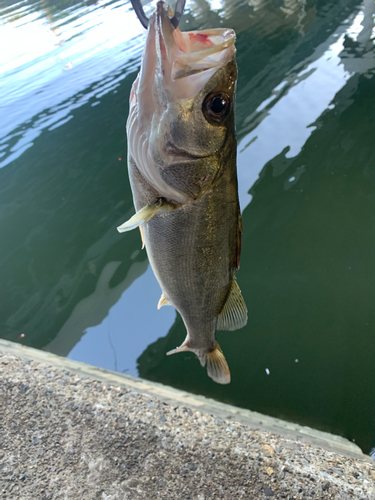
(234, 313)
(239, 241)
(163, 301)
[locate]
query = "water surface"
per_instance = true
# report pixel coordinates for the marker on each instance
(72, 285)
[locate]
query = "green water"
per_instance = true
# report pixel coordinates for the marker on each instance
(70, 284)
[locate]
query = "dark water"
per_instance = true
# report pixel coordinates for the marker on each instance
(70, 284)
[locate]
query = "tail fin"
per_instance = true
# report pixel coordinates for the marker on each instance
(217, 367)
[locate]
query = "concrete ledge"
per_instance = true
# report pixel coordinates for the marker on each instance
(303, 434)
(72, 431)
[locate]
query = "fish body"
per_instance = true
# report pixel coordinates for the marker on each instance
(182, 170)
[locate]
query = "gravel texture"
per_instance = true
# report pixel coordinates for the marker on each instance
(63, 436)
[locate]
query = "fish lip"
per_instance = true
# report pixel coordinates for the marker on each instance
(179, 57)
(164, 29)
(173, 150)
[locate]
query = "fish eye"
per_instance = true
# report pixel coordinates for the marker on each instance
(216, 106)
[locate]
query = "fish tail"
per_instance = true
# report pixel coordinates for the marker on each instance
(217, 367)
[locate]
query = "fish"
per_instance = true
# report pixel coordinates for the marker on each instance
(182, 169)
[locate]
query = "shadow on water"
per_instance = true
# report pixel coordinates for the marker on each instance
(72, 285)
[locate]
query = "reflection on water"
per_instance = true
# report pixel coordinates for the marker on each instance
(62, 58)
(313, 84)
(72, 285)
(96, 308)
(115, 343)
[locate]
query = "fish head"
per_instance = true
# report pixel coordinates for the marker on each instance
(181, 119)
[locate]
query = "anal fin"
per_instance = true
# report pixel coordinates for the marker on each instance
(163, 301)
(142, 216)
(234, 313)
(183, 347)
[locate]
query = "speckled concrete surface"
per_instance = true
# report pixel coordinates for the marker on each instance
(66, 436)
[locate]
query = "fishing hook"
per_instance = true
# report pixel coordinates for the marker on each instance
(178, 11)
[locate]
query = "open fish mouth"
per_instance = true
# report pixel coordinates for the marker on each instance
(185, 61)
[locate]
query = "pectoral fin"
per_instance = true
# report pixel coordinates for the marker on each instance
(142, 216)
(163, 301)
(234, 313)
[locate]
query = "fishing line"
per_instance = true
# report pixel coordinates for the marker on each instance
(175, 20)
